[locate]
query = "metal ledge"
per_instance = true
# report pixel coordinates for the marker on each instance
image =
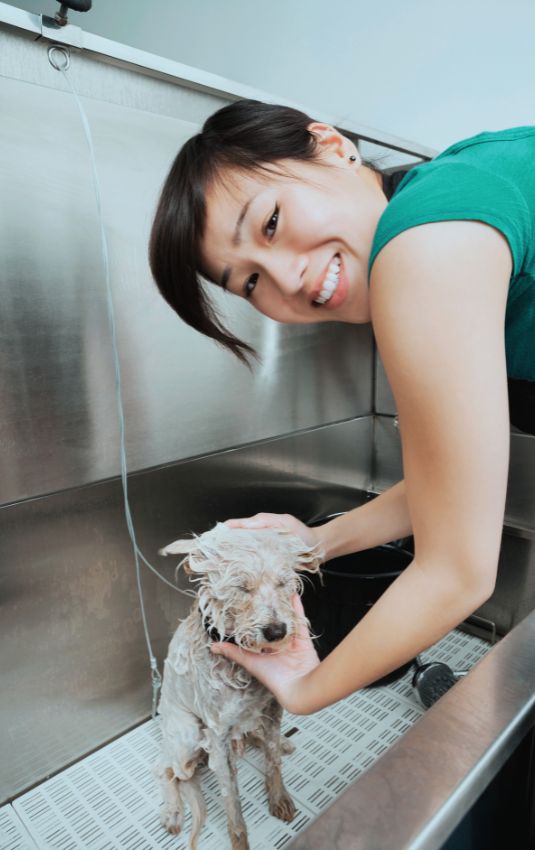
(417, 793)
(167, 69)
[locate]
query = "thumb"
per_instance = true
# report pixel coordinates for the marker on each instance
(232, 652)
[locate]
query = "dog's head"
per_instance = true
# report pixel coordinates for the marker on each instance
(246, 580)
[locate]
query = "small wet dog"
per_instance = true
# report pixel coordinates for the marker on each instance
(210, 707)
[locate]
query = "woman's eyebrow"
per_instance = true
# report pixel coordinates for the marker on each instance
(236, 239)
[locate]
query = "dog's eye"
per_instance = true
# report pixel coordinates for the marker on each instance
(282, 584)
(244, 589)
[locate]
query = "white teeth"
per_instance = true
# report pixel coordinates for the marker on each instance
(330, 283)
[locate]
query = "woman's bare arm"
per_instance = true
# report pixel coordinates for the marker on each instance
(381, 520)
(438, 307)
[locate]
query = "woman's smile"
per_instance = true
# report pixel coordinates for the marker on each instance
(334, 288)
(329, 284)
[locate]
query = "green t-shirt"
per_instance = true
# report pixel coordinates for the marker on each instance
(491, 178)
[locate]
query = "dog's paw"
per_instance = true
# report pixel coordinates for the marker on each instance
(170, 820)
(286, 746)
(283, 807)
(239, 841)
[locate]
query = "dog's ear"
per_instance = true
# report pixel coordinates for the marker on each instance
(310, 562)
(179, 547)
(307, 558)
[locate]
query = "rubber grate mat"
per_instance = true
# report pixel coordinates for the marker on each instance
(13, 833)
(110, 801)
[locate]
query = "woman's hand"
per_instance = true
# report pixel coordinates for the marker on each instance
(284, 671)
(286, 521)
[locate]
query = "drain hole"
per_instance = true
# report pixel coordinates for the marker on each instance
(291, 732)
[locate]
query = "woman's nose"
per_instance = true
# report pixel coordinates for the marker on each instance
(288, 273)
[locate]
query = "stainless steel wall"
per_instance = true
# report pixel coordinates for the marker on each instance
(73, 663)
(183, 396)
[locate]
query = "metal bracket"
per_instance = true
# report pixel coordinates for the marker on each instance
(69, 34)
(480, 627)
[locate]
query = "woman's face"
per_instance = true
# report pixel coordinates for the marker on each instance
(297, 246)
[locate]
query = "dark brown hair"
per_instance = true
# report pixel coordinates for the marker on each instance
(247, 135)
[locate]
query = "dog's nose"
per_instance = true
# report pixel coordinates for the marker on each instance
(275, 631)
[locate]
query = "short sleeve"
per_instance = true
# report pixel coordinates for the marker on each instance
(453, 191)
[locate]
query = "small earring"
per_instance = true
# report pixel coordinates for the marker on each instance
(353, 158)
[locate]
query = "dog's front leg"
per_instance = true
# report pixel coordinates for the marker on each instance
(222, 760)
(281, 804)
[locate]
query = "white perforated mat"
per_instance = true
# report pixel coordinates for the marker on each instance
(13, 833)
(109, 800)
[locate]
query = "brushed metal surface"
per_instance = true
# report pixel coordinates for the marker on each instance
(183, 396)
(384, 400)
(514, 594)
(521, 487)
(403, 802)
(21, 25)
(73, 665)
(21, 58)
(388, 461)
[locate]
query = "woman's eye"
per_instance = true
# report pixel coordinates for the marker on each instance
(270, 226)
(272, 223)
(250, 285)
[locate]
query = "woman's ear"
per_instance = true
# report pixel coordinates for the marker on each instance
(331, 142)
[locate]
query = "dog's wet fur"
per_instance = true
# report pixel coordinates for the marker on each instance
(211, 708)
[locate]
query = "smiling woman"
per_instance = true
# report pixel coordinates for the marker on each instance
(280, 209)
(262, 201)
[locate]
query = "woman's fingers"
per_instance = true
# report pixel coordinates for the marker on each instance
(261, 520)
(233, 653)
(284, 521)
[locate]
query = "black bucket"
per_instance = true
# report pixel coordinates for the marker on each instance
(351, 585)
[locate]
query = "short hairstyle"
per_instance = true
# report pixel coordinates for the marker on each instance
(247, 135)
